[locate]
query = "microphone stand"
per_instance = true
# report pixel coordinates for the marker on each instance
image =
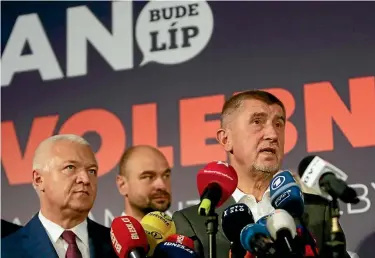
(336, 245)
(212, 224)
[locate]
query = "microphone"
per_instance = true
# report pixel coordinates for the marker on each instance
(326, 179)
(283, 230)
(158, 226)
(216, 182)
(128, 238)
(173, 250)
(256, 239)
(263, 220)
(286, 194)
(181, 239)
(233, 220)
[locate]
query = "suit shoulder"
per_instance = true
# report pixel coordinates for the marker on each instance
(189, 213)
(189, 210)
(313, 199)
(98, 227)
(11, 243)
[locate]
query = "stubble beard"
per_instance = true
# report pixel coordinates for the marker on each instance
(150, 207)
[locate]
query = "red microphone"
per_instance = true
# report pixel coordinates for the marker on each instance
(216, 182)
(128, 238)
(182, 240)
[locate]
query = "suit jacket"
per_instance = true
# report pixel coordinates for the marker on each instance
(8, 228)
(189, 223)
(32, 241)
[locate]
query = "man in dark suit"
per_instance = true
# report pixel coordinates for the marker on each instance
(8, 228)
(65, 178)
(253, 134)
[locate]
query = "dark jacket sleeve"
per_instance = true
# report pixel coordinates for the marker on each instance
(184, 227)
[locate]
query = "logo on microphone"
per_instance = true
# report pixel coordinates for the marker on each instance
(155, 234)
(277, 182)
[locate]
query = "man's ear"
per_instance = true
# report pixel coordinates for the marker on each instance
(38, 181)
(223, 136)
(122, 185)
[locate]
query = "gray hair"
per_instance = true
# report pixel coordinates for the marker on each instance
(50, 140)
(37, 165)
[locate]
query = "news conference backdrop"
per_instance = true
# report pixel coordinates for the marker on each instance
(158, 73)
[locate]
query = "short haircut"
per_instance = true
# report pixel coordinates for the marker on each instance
(235, 102)
(59, 137)
(123, 168)
(124, 160)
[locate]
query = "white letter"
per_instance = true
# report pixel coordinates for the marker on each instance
(28, 28)
(362, 197)
(116, 48)
(108, 217)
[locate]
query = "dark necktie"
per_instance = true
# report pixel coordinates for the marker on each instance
(70, 238)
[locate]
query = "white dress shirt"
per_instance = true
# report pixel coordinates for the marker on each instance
(54, 232)
(258, 209)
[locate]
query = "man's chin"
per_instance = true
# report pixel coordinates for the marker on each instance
(161, 206)
(268, 168)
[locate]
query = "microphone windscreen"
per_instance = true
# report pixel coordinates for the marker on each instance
(304, 164)
(286, 194)
(234, 219)
(249, 232)
(221, 173)
(127, 234)
(182, 240)
(158, 226)
(173, 250)
(278, 220)
(160, 221)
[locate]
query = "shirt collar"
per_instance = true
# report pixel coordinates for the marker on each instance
(55, 231)
(238, 194)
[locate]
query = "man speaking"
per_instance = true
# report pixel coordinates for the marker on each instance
(253, 134)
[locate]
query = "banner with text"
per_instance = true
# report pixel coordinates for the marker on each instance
(123, 73)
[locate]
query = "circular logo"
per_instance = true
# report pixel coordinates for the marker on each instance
(156, 235)
(277, 182)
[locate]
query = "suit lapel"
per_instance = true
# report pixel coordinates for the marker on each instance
(93, 245)
(36, 240)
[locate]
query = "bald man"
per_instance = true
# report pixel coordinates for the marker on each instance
(144, 181)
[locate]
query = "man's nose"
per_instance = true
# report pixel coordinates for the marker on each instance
(83, 177)
(160, 183)
(270, 133)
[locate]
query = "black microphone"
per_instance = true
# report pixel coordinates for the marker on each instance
(326, 179)
(233, 220)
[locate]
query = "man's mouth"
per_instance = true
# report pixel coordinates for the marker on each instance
(269, 150)
(82, 192)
